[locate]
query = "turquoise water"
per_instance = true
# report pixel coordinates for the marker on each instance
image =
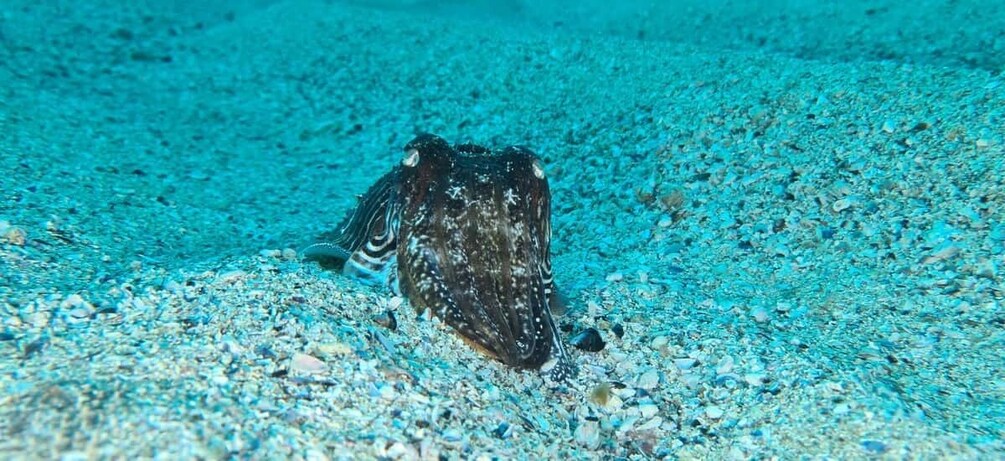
(804, 194)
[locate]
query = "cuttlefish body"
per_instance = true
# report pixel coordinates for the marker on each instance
(464, 232)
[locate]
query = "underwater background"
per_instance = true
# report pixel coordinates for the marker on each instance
(785, 219)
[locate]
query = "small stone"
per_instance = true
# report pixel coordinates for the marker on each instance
(395, 302)
(648, 410)
(685, 363)
(725, 365)
(15, 236)
(651, 424)
(329, 350)
(588, 434)
(588, 340)
(615, 277)
(452, 435)
(985, 268)
(648, 380)
(713, 412)
(760, 314)
(942, 255)
(289, 254)
(841, 205)
(232, 276)
(397, 450)
(874, 446)
(754, 379)
(39, 319)
(77, 307)
(269, 254)
(503, 431)
(307, 364)
(889, 126)
(386, 320)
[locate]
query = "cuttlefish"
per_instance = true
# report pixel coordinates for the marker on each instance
(464, 232)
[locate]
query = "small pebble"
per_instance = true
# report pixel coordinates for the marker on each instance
(874, 446)
(649, 380)
(35, 346)
(685, 363)
(386, 320)
(725, 365)
(329, 350)
(269, 254)
(588, 340)
(452, 435)
(713, 412)
(941, 255)
(588, 434)
(754, 379)
(395, 302)
(651, 424)
(307, 364)
(232, 276)
(889, 126)
(503, 430)
(397, 450)
(760, 314)
(15, 236)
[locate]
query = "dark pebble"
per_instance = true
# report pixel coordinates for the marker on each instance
(503, 431)
(387, 320)
(35, 346)
(264, 351)
(588, 340)
(618, 330)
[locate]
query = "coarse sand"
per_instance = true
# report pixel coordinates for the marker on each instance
(791, 238)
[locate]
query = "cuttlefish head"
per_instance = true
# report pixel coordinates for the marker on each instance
(474, 234)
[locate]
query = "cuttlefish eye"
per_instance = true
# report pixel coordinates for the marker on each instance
(411, 158)
(537, 168)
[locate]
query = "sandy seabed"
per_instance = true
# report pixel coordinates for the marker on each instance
(791, 244)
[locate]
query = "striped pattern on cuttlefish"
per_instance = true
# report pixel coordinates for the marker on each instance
(466, 233)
